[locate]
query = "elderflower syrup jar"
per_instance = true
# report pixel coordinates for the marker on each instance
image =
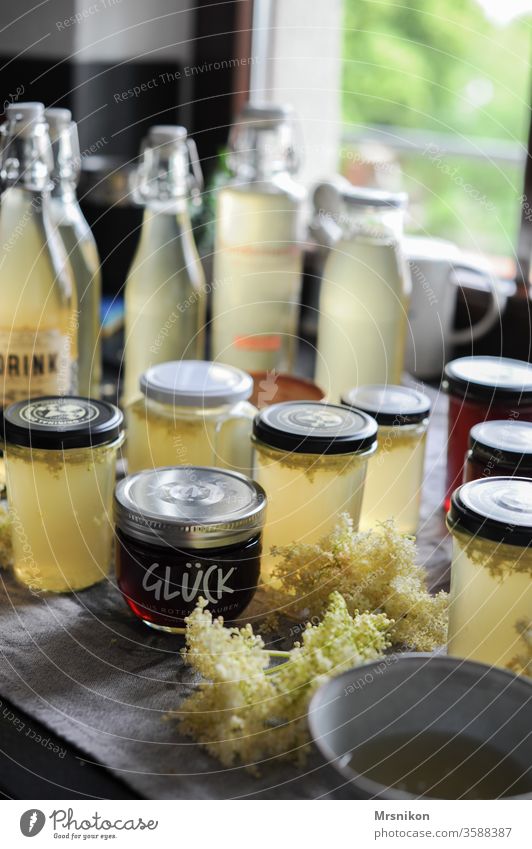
(395, 472)
(490, 614)
(187, 533)
(482, 389)
(502, 448)
(191, 413)
(311, 459)
(60, 464)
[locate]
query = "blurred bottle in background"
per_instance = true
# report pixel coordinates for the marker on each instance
(258, 258)
(38, 320)
(80, 247)
(165, 289)
(365, 288)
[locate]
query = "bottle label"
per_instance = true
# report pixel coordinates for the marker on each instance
(33, 363)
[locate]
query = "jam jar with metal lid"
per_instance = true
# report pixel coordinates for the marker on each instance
(395, 472)
(60, 464)
(490, 617)
(192, 412)
(502, 448)
(185, 533)
(311, 459)
(481, 389)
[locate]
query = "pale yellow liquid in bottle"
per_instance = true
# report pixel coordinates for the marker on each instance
(38, 320)
(363, 316)
(489, 600)
(306, 495)
(160, 435)
(85, 264)
(61, 507)
(164, 298)
(257, 279)
(394, 478)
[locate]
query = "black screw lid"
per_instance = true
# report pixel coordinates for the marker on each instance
(389, 405)
(497, 508)
(57, 422)
(310, 427)
(503, 443)
(489, 379)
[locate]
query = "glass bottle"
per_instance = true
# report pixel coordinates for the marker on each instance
(395, 472)
(258, 260)
(365, 289)
(482, 389)
(490, 615)
(192, 413)
(311, 459)
(38, 325)
(165, 289)
(80, 246)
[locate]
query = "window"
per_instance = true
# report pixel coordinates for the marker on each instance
(435, 100)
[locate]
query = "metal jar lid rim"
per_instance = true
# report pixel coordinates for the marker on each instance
(62, 422)
(463, 515)
(480, 388)
(155, 528)
(415, 408)
(283, 426)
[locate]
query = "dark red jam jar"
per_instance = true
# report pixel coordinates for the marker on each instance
(184, 533)
(482, 389)
(499, 448)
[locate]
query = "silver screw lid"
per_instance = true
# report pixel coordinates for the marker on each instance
(189, 507)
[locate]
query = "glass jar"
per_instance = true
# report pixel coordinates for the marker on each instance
(395, 472)
(311, 459)
(365, 288)
(60, 464)
(185, 533)
(482, 389)
(490, 616)
(502, 448)
(191, 413)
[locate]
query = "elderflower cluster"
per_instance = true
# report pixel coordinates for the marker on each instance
(374, 570)
(243, 711)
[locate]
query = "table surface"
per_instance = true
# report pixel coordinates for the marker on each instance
(85, 689)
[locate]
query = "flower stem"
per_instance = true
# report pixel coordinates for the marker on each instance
(274, 653)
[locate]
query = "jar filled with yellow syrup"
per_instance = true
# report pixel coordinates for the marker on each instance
(60, 465)
(191, 412)
(490, 617)
(395, 472)
(311, 459)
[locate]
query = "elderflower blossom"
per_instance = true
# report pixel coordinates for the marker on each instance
(373, 570)
(243, 712)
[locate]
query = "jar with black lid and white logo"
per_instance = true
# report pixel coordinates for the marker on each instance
(60, 468)
(311, 459)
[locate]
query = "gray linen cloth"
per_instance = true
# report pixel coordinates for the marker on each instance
(84, 667)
